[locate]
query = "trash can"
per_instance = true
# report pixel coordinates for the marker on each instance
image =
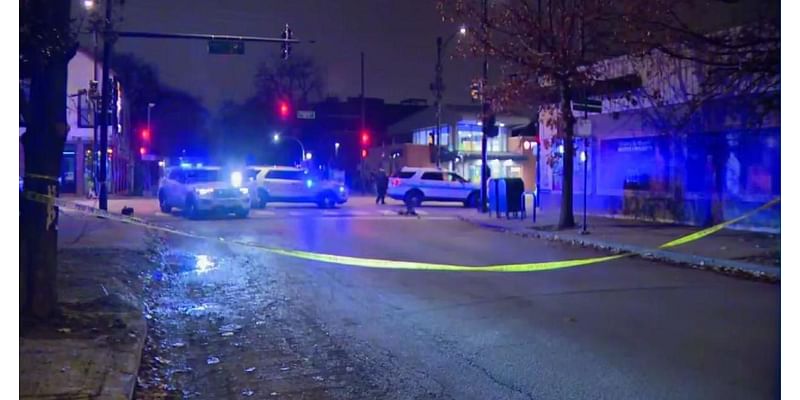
(497, 196)
(505, 195)
(514, 189)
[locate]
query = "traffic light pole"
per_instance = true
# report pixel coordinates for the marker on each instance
(484, 114)
(109, 35)
(438, 85)
(105, 100)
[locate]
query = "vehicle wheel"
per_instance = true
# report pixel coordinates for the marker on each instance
(162, 203)
(263, 196)
(190, 209)
(327, 201)
(413, 198)
(243, 213)
(472, 200)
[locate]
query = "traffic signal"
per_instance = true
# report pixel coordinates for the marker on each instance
(283, 109)
(286, 48)
(475, 90)
(489, 128)
(364, 138)
(145, 135)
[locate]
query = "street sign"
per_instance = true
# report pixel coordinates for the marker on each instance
(587, 105)
(583, 127)
(306, 114)
(221, 46)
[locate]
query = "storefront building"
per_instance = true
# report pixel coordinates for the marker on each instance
(78, 160)
(638, 163)
(508, 154)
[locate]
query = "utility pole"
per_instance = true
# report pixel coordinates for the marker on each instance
(363, 126)
(363, 113)
(439, 87)
(105, 104)
(485, 111)
(95, 133)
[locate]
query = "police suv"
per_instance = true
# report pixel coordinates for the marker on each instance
(292, 185)
(197, 190)
(415, 185)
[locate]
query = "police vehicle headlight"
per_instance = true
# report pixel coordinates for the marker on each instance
(204, 191)
(244, 190)
(236, 179)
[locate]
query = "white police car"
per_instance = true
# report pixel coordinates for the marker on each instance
(292, 185)
(415, 185)
(197, 190)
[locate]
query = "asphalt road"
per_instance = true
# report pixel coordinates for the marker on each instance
(626, 329)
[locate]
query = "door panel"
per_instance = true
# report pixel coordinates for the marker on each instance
(433, 185)
(457, 186)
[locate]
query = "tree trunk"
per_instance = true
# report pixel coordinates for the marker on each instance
(567, 218)
(719, 158)
(43, 142)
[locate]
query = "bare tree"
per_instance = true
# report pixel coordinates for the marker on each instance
(552, 51)
(548, 50)
(297, 79)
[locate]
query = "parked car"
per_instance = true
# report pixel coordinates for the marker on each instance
(293, 185)
(199, 190)
(415, 185)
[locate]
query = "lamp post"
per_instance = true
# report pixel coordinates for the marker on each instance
(149, 107)
(438, 88)
(105, 101)
(94, 96)
(277, 138)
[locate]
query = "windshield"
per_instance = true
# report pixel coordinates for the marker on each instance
(201, 175)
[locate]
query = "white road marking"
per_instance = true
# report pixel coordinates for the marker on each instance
(331, 213)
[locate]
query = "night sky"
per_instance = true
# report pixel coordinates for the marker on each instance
(398, 38)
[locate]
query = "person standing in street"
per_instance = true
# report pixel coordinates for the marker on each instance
(382, 184)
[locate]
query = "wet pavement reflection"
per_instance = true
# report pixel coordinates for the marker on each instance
(222, 324)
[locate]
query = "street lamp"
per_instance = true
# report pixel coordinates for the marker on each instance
(88, 4)
(438, 87)
(308, 156)
(149, 107)
(277, 138)
(336, 149)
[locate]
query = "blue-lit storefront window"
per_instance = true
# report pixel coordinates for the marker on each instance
(469, 138)
(425, 135)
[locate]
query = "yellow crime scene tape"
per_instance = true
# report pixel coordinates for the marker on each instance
(382, 263)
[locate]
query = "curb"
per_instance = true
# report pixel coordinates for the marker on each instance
(727, 267)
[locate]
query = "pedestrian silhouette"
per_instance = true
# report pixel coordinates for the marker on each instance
(382, 184)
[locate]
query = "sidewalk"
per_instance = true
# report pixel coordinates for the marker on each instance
(738, 252)
(93, 348)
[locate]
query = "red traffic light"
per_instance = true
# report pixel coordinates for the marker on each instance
(364, 138)
(145, 134)
(283, 109)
